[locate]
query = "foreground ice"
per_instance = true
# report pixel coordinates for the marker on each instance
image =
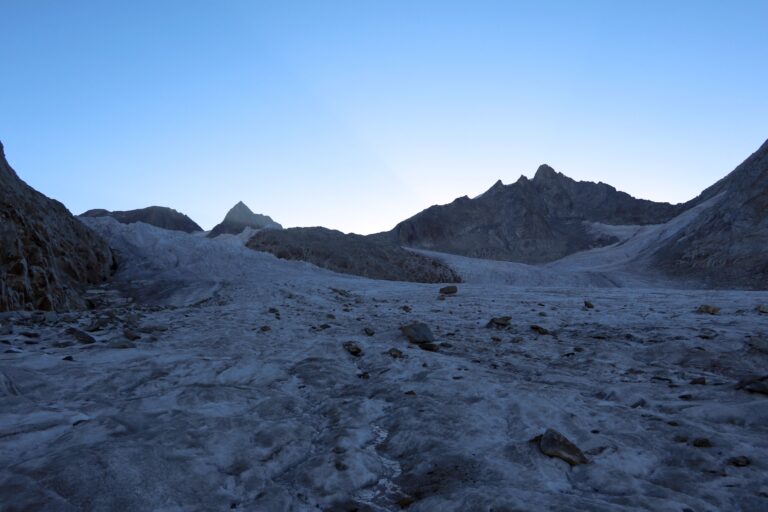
(231, 389)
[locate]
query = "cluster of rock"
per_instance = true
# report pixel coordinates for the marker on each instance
(352, 254)
(47, 256)
(159, 216)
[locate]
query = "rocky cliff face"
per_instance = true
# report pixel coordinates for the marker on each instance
(47, 256)
(352, 254)
(241, 217)
(159, 216)
(530, 221)
(727, 244)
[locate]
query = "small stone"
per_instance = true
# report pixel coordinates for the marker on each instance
(555, 444)
(368, 331)
(418, 332)
(80, 336)
(539, 330)
(67, 358)
(702, 442)
(740, 461)
(699, 381)
(686, 396)
(449, 290)
(395, 353)
(499, 322)
(762, 308)
(353, 348)
(407, 309)
(273, 311)
(680, 439)
(639, 403)
(265, 328)
(429, 347)
(588, 305)
(706, 309)
(130, 335)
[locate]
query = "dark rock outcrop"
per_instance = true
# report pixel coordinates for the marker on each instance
(352, 254)
(159, 216)
(530, 221)
(241, 217)
(726, 245)
(47, 256)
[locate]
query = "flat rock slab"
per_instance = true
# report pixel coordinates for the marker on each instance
(554, 444)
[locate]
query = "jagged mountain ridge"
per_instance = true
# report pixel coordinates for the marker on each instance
(530, 221)
(47, 256)
(240, 217)
(159, 216)
(727, 244)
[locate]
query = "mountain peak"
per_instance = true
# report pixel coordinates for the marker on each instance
(240, 217)
(240, 213)
(545, 172)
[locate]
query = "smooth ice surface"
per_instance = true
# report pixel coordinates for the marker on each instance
(238, 393)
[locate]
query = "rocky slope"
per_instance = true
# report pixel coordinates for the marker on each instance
(47, 256)
(530, 221)
(727, 244)
(160, 216)
(241, 217)
(352, 254)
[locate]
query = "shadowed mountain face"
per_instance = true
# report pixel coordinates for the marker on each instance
(352, 254)
(530, 221)
(727, 244)
(241, 217)
(159, 216)
(47, 256)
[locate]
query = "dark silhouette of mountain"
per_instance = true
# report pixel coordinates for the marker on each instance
(47, 256)
(726, 245)
(241, 217)
(352, 254)
(529, 221)
(160, 216)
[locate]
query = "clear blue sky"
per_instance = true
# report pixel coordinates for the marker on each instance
(355, 115)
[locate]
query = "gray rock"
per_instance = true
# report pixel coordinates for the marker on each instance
(80, 336)
(706, 309)
(47, 256)
(353, 348)
(418, 333)
(754, 385)
(555, 444)
(499, 322)
(449, 290)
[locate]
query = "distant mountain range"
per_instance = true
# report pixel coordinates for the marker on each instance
(718, 239)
